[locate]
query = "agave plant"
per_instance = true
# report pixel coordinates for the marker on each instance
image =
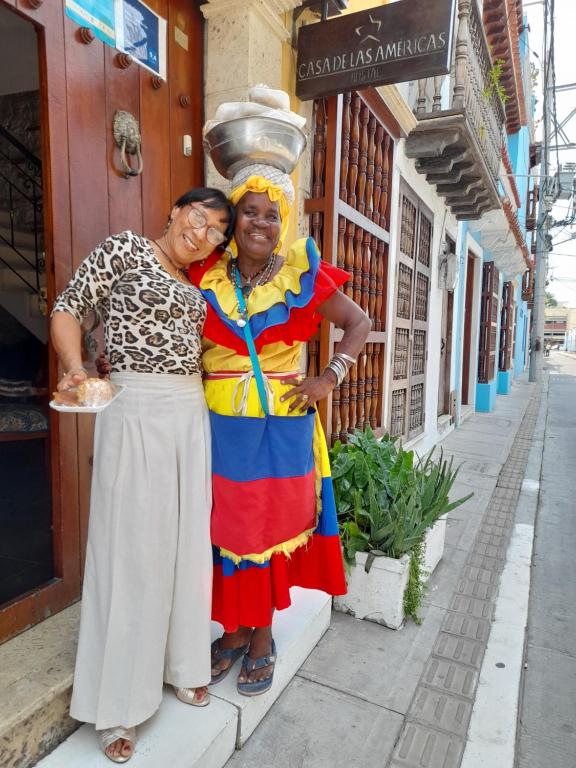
(385, 499)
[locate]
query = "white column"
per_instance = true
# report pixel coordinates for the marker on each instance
(244, 40)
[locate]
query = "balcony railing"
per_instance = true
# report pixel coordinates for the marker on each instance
(459, 148)
(528, 287)
(531, 208)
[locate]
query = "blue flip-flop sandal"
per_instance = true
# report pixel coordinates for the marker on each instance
(257, 687)
(228, 654)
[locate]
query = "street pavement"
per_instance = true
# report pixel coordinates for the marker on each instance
(547, 723)
(369, 696)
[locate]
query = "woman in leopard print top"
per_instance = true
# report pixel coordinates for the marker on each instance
(147, 585)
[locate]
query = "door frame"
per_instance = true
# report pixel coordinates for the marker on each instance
(467, 335)
(64, 587)
(446, 363)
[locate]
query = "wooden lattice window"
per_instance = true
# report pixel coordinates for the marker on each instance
(421, 308)
(425, 241)
(398, 412)
(404, 294)
(488, 323)
(349, 214)
(417, 407)
(401, 342)
(507, 324)
(411, 309)
(408, 231)
(419, 353)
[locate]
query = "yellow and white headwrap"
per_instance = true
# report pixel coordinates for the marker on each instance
(264, 178)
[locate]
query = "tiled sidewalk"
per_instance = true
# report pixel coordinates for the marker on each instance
(369, 696)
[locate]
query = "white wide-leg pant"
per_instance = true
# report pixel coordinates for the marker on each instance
(148, 578)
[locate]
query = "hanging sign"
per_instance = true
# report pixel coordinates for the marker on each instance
(406, 40)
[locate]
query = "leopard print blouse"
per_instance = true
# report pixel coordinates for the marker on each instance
(152, 322)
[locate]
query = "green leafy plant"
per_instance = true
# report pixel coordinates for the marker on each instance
(386, 499)
(494, 86)
(417, 585)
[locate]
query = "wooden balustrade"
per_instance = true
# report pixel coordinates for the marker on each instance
(458, 143)
(349, 210)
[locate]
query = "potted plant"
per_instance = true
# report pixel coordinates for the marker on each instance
(387, 500)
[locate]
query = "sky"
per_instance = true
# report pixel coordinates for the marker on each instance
(562, 260)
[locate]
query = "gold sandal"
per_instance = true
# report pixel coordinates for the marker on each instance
(188, 696)
(109, 735)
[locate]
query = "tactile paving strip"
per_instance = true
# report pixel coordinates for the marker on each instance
(434, 732)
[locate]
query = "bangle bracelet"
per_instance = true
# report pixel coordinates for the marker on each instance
(339, 367)
(349, 358)
(77, 369)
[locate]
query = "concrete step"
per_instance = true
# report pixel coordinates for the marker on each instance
(181, 736)
(36, 671)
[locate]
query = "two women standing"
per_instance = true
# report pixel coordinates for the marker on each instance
(148, 580)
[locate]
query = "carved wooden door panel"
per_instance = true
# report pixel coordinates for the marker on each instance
(349, 219)
(411, 311)
(488, 323)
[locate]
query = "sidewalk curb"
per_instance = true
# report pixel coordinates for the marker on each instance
(492, 733)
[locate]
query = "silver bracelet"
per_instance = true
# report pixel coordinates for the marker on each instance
(339, 365)
(349, 358)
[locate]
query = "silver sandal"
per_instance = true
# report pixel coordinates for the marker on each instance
(109, 735)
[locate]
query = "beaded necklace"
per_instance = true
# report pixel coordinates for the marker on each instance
(236, 280)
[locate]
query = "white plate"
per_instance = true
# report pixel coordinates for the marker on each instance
(87, 408)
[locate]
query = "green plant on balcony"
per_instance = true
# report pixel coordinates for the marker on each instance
(494, 86)
(386, 500)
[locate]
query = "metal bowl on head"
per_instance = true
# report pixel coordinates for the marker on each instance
(234, 144)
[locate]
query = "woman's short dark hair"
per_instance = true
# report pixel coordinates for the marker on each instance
(211, 198)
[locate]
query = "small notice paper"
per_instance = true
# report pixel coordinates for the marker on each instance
(142, 34)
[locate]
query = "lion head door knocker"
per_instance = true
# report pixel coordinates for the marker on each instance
(128, 140)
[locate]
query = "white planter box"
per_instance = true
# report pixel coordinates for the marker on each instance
(434, 545)
(378, 595)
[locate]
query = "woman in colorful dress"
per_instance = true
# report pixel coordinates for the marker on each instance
(147, 584)
(273, 516)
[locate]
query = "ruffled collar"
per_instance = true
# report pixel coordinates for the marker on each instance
(302, 261)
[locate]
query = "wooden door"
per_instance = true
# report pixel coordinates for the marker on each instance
(86, 198)
(349, 218)
(488, 323)
(411, 311)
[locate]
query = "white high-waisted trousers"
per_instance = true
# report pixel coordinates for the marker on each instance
(146, 601)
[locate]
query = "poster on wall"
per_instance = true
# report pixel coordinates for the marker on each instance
(142, 34)
(98, 15)
(128, 25)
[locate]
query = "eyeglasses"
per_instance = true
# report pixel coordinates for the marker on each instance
(198, 220)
